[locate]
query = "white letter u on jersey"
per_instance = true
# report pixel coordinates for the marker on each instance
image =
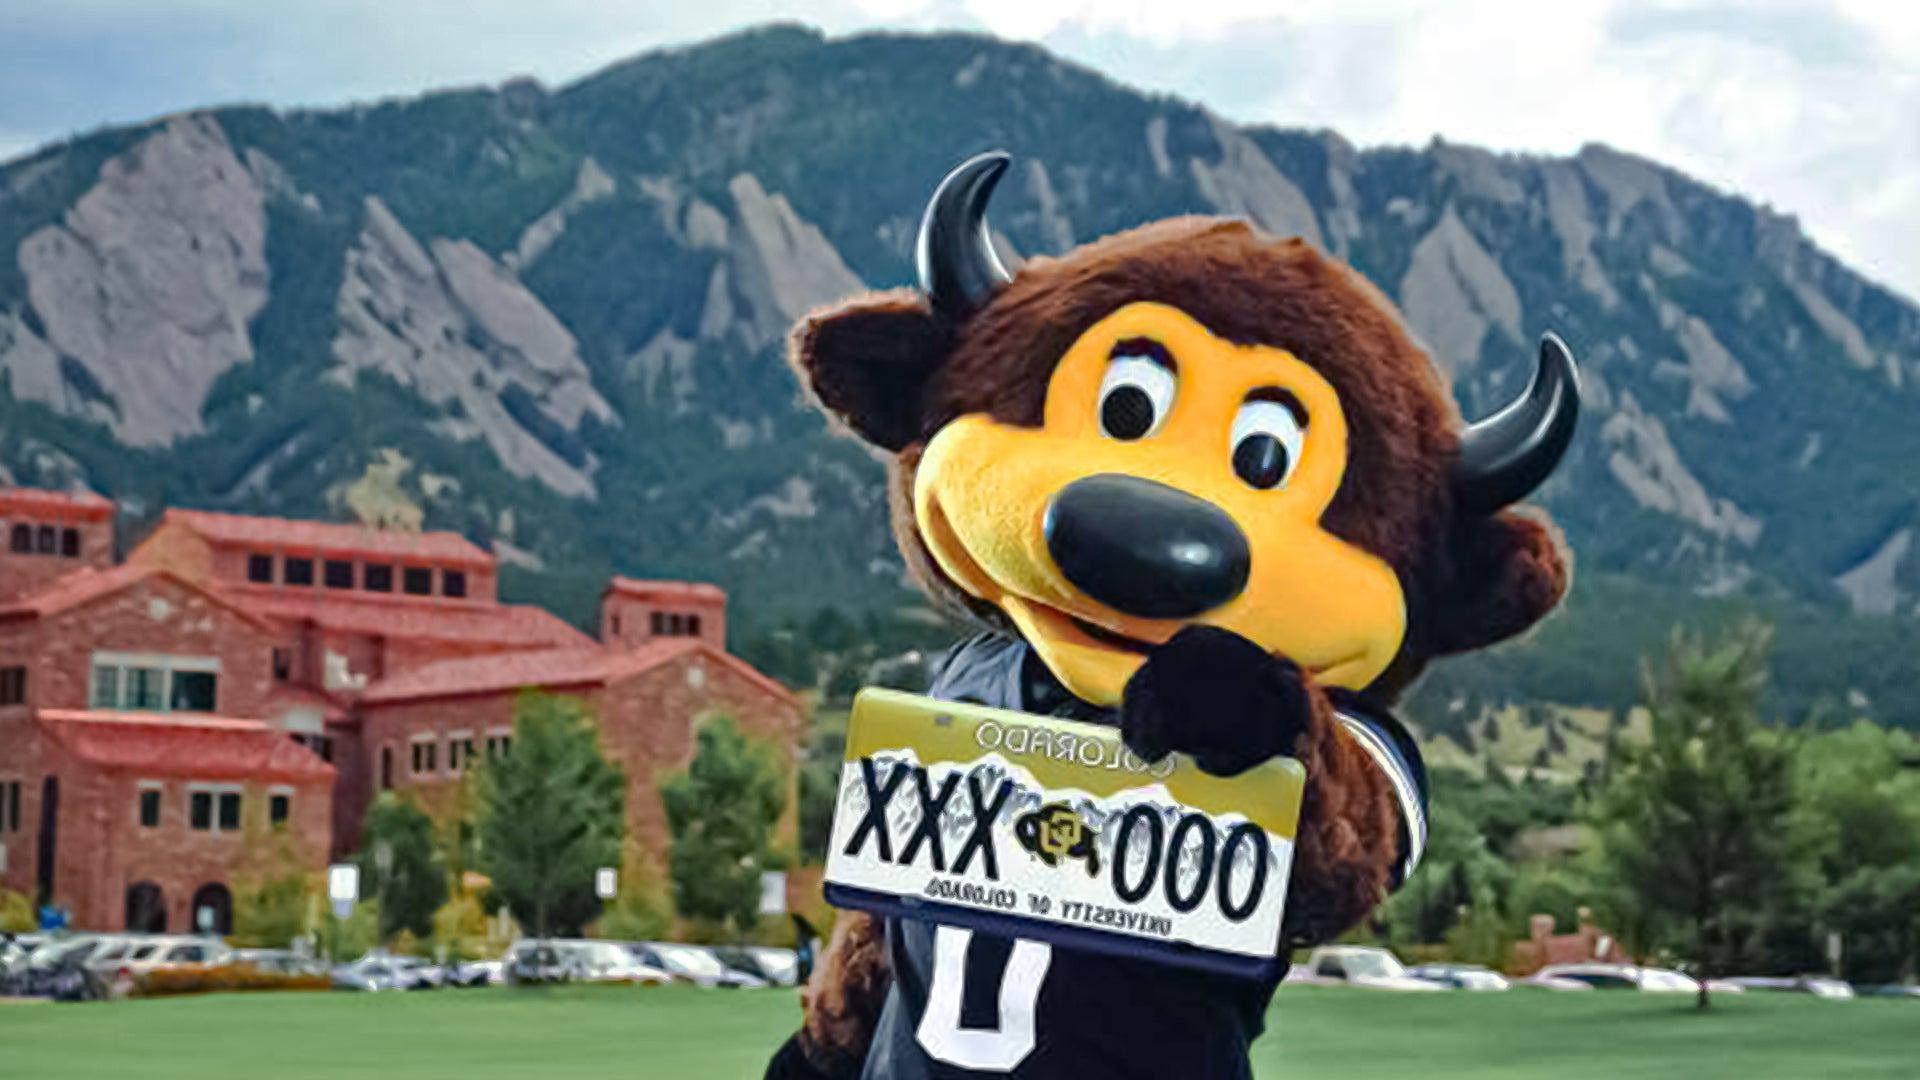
(983, 1049)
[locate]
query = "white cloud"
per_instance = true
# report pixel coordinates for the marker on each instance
(1808, 106)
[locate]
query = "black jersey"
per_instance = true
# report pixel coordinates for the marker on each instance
(968, 1003)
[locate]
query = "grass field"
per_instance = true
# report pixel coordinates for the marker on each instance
(685, 1032)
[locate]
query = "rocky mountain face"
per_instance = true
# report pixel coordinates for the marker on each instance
(558, 313)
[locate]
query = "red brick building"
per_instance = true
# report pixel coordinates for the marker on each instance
(243, 680)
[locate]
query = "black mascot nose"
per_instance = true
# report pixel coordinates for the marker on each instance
(1146, 549)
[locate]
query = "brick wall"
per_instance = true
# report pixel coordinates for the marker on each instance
(646, 727)
(647, 724)
(23, 574)
(156, 615)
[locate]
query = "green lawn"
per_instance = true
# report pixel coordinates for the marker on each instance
(686, 1032)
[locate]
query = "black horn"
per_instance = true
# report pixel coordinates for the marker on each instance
(954, 256)
(1507, 455)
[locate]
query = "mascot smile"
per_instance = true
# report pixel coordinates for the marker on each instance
(1201, 484)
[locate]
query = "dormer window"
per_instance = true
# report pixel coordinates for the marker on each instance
(453, 583)
(43, 540)
(70, 543)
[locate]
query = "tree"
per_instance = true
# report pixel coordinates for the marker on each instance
(400, 867)
(271, 912)
(721, 812)
(1694, 824)
(1859, 814)
(550, 814)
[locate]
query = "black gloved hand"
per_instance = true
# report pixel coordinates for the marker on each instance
(1218, 697)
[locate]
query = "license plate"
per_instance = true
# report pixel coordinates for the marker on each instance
(1051, 829)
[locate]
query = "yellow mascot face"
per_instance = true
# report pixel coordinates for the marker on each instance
(1176, 478)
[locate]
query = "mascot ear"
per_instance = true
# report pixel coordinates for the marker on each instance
(1509, 570)
(868, 361)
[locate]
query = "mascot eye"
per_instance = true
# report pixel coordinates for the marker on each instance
(1266, 441)
(1135, 396)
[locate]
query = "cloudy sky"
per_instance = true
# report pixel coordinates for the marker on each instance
(1812, 106)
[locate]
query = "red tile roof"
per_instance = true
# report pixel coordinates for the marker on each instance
(285, 534)
(665, 590)
(198, 747)
(551, 669)
(474, 621)
(285, 696)
(85, 585)
(61, 505)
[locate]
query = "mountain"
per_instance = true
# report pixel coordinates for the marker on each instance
(552, 319)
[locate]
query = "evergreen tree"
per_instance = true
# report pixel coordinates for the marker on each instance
(549, 814)
(400, 867)
(1695, 823)
(722, 812)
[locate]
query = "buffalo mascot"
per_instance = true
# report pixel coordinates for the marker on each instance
(1198, 483)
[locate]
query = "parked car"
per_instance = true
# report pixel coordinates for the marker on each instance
(692, 964)
(115, 966)
(1600, 976)
(1357, 965)
(535, 962)
(773, 966)
(426, 974)
(1893, 990)
(476, 973)
(610, 961)
(56, 968)
(372, 974)
(279, 961)
(1461, 976)
(1817, 985)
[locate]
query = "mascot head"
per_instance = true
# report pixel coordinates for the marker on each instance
(1190, 423)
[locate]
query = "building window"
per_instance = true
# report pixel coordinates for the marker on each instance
(378, 577)
(193, 691)
(13, 685)
(179, 684)
(282, 665)
(418, 581)
(499, 745)
(229, 811)
(321, 745)
(459, 752)
(150, 808)
(200, 810)
(426, 755)
(142, 688)
(693, 626)
(386, 768)
(658, 624)
(70, 543)
(106, 687)
(339, 574)
(10, 806)
(22, 542)
(260, 569)
(614, 624)
(299, 571)
(43, 540)
(453, 583)
(279, 808)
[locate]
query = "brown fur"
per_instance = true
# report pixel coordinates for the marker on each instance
(895, 374)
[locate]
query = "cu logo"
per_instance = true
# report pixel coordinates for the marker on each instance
(1054, 832)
